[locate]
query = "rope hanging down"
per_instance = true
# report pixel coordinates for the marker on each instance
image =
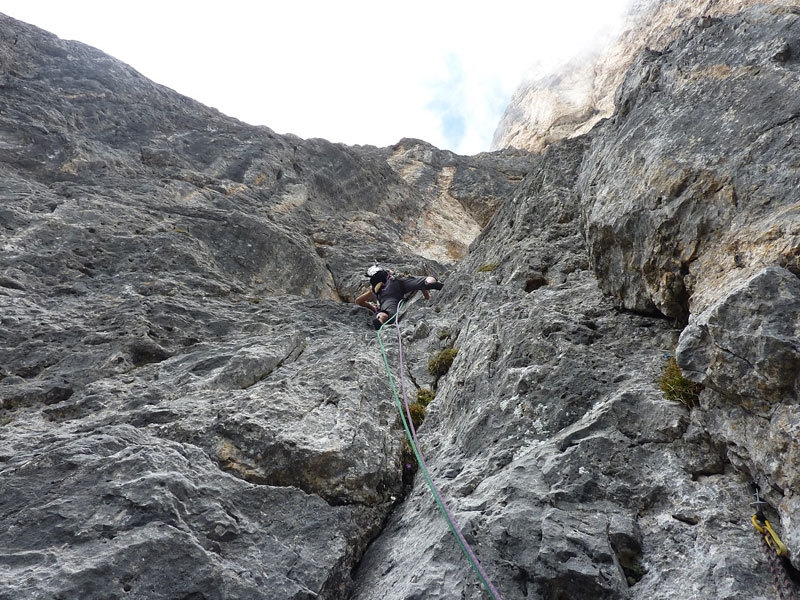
(408, 425)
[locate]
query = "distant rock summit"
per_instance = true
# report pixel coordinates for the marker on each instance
(555, 105)
(192, 406)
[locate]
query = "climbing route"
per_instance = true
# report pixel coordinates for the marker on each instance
(405, 416)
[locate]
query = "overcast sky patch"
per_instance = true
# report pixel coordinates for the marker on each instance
(355, 71)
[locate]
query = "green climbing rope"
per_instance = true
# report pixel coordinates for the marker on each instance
(412, 440)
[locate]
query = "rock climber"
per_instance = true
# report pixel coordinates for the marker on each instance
(388, 289)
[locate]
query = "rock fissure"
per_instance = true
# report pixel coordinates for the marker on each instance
(782, 123)
(736, 356)
(293, 355)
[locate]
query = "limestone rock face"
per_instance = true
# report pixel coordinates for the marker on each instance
(550, 106)
(568, 470)
(744, 349)
(192, 407)
(746, 343)
(680, 195)
(116, 512)
(181, 383)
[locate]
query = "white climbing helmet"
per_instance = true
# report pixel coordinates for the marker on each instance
(374, 269)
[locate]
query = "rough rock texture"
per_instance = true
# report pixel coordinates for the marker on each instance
(566, 466)
(181, 384)
(550, 106)
(191, 407)
(682, 193)
(745, 350)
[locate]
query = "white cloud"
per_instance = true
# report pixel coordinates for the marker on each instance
(355, 72)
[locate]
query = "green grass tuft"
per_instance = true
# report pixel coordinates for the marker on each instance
(417, 414)
(676, 387)
(425, 396)
(440, 363)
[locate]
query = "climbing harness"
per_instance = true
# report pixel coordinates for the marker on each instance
(405, 415)
(775, 550)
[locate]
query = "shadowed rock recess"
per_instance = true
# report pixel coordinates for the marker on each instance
(193, 408)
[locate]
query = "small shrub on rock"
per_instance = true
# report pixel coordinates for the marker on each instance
(676, 387)
(440, 363)
(425, 396)
(417, 414)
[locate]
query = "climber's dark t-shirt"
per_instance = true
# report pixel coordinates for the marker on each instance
(394, 290)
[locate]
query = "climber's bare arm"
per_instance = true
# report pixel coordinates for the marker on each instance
(364, 300)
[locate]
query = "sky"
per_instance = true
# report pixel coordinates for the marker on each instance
(353, 72)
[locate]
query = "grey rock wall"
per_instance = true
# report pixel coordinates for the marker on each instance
(610, 491)
(188, 407)
(569, 471)
(704, 225)
(192, 407)
(680, 196)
